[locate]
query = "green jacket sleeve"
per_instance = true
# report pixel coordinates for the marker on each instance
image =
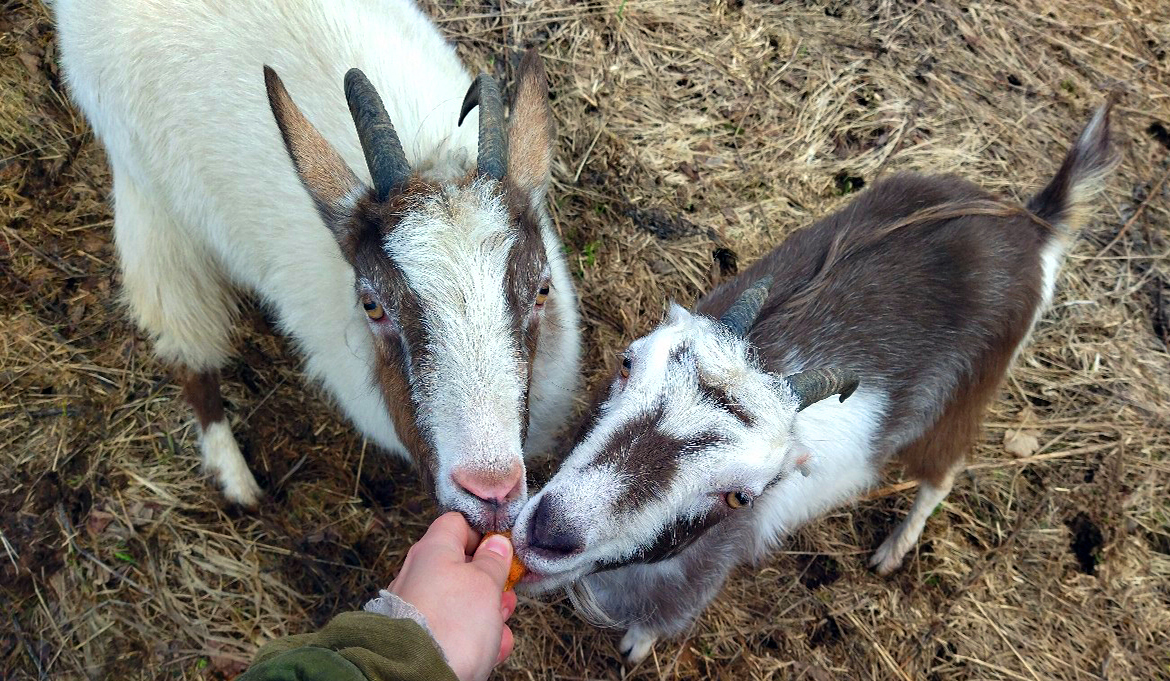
(354, 646)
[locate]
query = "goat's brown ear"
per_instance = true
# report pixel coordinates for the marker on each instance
(530, 128)
(330, 182)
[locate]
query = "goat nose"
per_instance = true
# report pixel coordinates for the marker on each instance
(549, 533)
(492, 487)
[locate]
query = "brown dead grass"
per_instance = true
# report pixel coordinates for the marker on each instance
(686, 131)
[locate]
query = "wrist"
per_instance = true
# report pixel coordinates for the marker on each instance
(392, 606)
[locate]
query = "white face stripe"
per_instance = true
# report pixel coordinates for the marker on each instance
(453, 250)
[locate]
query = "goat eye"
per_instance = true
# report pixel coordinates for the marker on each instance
(737, 499)
(625, 366)
(542, 295)
(372, 307)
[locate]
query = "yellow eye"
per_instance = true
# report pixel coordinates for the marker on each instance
(625, 367)
(737, 499)
(542, 295)
(372, 307)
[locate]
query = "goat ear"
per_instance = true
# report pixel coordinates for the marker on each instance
(801, 455)
(530, 129)
(674, 313)
(324, 173)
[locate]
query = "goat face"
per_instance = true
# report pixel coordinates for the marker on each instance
(454, 280)
(691, 432)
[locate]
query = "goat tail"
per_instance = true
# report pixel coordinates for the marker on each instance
(1066, 201)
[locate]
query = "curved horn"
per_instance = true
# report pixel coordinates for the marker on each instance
(384, 156)
(743, 312)
(485, 94)
(815, 385)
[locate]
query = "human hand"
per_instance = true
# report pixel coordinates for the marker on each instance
(460, 590)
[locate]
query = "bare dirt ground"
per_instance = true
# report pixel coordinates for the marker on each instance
(692, 136)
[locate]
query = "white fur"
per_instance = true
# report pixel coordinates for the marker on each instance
(1051, 260)
(206, 197)
(839, 439)
(637, 644)
(221, 458)
(456, 261)
(889, 555)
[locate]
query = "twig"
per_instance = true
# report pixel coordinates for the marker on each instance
(32, 654)
(55, 262)
(976, 572)
(881, 650)
(67, 527)
(264, 399)
(991, 465)
(1006, 641)
(585, 157)
(11, 551)
(357, 481)
(1154, 191)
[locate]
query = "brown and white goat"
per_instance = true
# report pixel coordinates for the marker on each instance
(419, 273)
(911, 301)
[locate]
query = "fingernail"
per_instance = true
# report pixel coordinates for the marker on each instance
(498, 545)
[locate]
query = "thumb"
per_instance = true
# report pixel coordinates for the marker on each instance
(494, 556)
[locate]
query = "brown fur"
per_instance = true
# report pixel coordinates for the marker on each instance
(720, 398)
(201, 391)
(372, 223)
(526, 262)
(876, 286)
(531, 131)
(648, 457)
(321, 169)
(944, 446)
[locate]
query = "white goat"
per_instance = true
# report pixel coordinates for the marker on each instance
(922, 290)
(435, 306)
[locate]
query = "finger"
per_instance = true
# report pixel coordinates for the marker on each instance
(494, 557)
(507, 604)
(452, 533)
(507, 642)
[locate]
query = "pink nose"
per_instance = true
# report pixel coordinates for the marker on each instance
(491, 487)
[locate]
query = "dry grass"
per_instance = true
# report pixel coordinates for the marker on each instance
(687, 130)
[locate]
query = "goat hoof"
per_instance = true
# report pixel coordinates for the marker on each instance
(222, 458)
(888, 557)
(636, 645)
(243, 492)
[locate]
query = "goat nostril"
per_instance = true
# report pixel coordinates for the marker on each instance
(548, 533)
(516, 477)
(491, 488)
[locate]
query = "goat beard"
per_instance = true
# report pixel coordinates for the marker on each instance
(588, 606)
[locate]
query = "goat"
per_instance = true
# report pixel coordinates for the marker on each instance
(429, 295)
(911, 301)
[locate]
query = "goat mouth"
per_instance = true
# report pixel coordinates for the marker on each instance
(545, 566)
(482, 518)
(535, 582)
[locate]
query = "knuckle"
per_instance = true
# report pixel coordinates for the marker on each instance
(413, 553)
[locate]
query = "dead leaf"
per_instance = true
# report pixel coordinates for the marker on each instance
(31, 62)
(76, 314)
(227, 661)
(97, 522)
(229, 667)
(689, 170)
(1021, 442)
